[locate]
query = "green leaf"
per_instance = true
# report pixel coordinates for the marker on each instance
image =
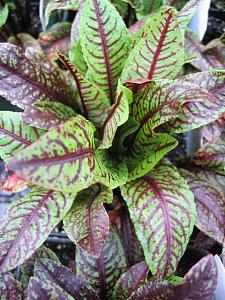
(15, 135)
(27, 223)
(62, 278)
(87, 222)
(25, 81)
(103, 272)
(10, 288)
(211, 156)
(4, 11)
(93, 101)
(159, 53)
(130, 281)
(77, 58)
(144, 7)
(105, 43)
(162, 210)
(62, 5)
(65, 159)
(27, 268)
(47, 114)
(117, 116)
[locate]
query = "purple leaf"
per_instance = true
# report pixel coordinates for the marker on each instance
(55, 273)
(130, 281)
(10, 288)
(213, 131)
(87, 222)
(24, 81)
(27, 223)
(47, 114)
(103, 272)
(210, 203)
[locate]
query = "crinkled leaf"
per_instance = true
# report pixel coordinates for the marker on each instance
(211, 156)
(27, 268)
(210, 203)
(117, 116)
(15, 135)
(93, 101)
(65, 159)
(186, 13)
(130, 281)
(103, 272)
(105, 43)
(64, 278)
(62, 5)
(144, 7)
(39, 289)
(87, 223)
(24, 81)
(162, 210)
(159, 54)
(28, 222)
(10, 288)
(47, 114)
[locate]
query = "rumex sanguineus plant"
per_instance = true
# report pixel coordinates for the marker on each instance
(94, 143)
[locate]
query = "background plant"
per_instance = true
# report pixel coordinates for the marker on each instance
(94, 143)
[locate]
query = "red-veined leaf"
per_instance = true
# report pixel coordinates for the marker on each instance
(144, 7)
(130, 281)
(27, 223)
(10, 288)
(24, 81)
(105, 43)
(77, 58)
(103, 272)
(162, 210)
(117, 115)
(159, 54)
(15, 135)
(87, 222)
(65, 159)
(94, 101)
(27, 268)
(211, 156)
(186, 13)
(56, 274)
(210, 202)
(47, 114)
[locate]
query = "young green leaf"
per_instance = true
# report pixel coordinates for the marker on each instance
(130, 281)
(93, 101)
(15, 135)
(105, 43)
(47, 114)
(24, 82)
(56, 274)
(4, 12)
(159, 54)
(117, 116)
(144, 7)
(32, 219)
(211, 156)
(10, 288)
(77, 58)
(62, 5)
(87, 222)
(210, 202)
(103, 272)
(163, 212)
(27, 268)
